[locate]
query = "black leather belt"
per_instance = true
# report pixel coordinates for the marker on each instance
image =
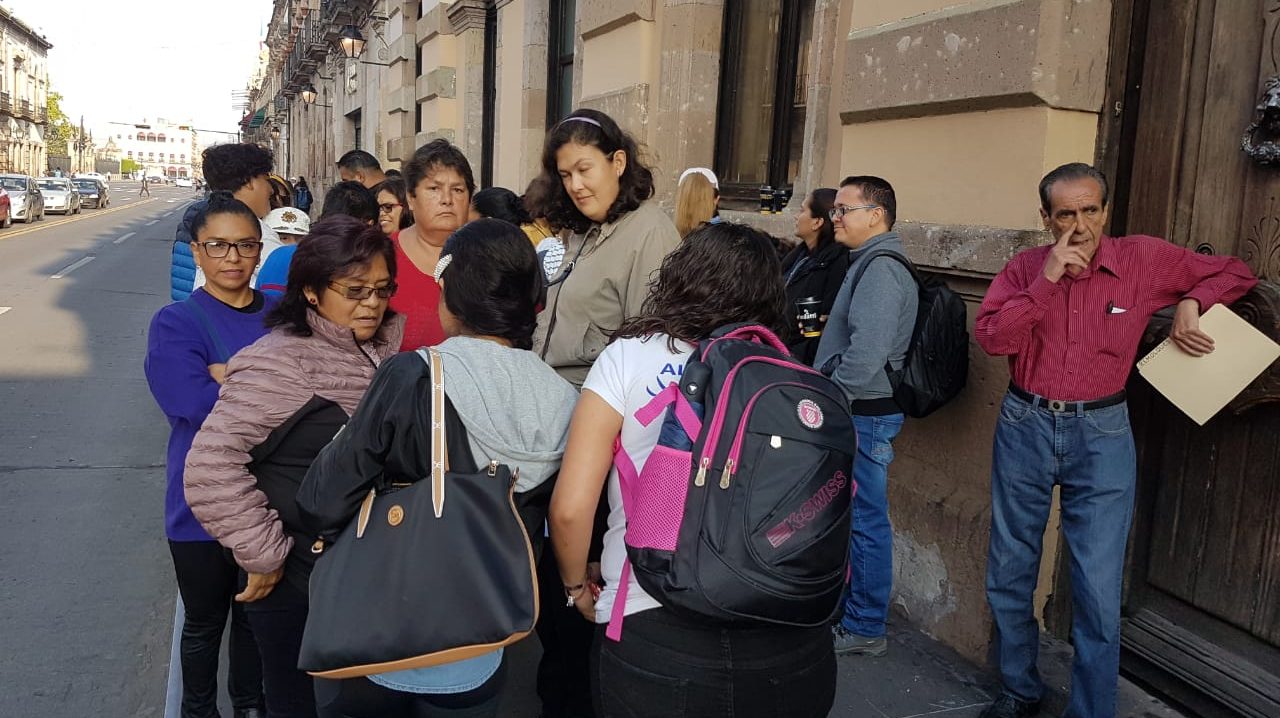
(1071, 406)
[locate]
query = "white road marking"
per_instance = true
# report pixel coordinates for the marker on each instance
(4, 309)
(72, 267)
(122, 238)
(152, 222)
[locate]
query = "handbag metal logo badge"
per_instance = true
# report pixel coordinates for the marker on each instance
(810, 414)
(395, 515)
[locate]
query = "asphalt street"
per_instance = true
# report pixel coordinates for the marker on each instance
(86, 594)
(86, 583)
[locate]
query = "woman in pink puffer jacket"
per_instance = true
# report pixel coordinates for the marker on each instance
(285, 397)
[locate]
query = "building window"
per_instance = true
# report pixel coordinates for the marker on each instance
(763, 76)
(560, 60)
(130, 153)
(417, 63)
(160, 137)
(356, 129)
(417, 117)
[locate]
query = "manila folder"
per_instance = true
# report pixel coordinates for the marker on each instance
(1201, 386)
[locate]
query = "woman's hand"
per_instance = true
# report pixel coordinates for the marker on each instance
(260, 586)
(585, 601)
(218, 372)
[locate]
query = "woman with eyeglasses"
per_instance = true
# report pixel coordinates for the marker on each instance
(514, 410)
(813, 271)
(188, 346)
(393, 210)
(285, 398)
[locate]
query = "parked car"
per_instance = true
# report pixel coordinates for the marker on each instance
(93, 193)
(60, 195)
(182, 182)
(92, 175)
(155, 179)
(26, 200)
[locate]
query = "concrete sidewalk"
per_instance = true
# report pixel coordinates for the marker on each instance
(921, 677)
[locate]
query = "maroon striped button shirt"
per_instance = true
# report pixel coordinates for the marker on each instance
(1076, 339)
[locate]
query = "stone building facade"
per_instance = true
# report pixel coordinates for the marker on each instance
(963, 105)
(24, 96)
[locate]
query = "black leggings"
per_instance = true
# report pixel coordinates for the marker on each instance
(667, 666)
(277, 622)
(362, 698)
(207, 579)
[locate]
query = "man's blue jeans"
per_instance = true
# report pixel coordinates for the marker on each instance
(871, 542)
(1090, 454)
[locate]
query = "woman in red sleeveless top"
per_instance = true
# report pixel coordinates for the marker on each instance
(439, 182)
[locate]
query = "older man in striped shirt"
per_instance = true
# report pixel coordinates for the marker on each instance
(1069, 316)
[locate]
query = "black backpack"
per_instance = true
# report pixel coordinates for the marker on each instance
(741, 514)
(937, 363)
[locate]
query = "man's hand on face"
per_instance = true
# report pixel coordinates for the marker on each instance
(1065, 256)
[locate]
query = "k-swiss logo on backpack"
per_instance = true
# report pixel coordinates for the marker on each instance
(810, 413)
(742, 511)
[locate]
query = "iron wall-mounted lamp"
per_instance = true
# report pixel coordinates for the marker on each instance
(351, 42)
(309, 96)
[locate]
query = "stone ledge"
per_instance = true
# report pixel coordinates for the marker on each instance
(400, 149)
(945, 248)
(596, 17)
(440, 82)
(434, 22)
(983, 55)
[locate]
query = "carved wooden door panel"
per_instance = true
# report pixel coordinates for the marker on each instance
(1203, 590)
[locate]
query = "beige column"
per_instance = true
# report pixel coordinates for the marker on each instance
(688, 89)
(817, 121)
(466, 17)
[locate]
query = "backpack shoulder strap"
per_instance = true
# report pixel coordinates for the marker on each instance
(857, 277)
(202, 317)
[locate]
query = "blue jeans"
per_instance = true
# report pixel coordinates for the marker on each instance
(1090, 455)
(871, 541)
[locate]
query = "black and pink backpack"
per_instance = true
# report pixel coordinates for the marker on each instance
(742, 511)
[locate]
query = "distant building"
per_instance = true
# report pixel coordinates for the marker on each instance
(163, 148)
(24, 96)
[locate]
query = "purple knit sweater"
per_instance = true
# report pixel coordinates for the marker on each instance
(179, 352)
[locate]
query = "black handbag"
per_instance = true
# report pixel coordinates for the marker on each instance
(416, 580)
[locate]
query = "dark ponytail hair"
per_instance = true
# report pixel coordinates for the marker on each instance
(500, 203)
(222, 202)
(724, 273)
(821, 201)
(337, 246)
(494, 283)
(590, 127)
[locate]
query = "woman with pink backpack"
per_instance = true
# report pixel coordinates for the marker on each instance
(719, 294)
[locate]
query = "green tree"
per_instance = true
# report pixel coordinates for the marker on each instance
(127, 165)
(59, 133)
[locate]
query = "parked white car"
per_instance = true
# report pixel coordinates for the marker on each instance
(183, 182)
(92, 175)
(60, 195)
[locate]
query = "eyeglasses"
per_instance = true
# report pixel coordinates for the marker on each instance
(218, 249)
(838, 212)
(359, 293)
(386, 208)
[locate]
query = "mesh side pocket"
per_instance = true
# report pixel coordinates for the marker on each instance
(657, 506)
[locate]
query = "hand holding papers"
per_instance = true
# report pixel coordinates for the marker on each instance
(1201, 386)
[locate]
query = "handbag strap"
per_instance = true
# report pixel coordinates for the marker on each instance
(439, 446)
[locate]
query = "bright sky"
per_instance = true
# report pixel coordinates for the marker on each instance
(123, 60)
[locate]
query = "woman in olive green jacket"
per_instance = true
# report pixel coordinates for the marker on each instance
(600, 192)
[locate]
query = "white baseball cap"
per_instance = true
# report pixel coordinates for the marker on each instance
(288, 220)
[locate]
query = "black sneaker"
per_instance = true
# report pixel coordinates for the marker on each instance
(1006, 706)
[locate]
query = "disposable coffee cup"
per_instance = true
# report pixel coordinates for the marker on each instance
(807, 317)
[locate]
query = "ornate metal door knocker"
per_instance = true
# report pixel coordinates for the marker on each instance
(1265, 150)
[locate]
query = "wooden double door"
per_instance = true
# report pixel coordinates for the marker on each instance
(1202, 600)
